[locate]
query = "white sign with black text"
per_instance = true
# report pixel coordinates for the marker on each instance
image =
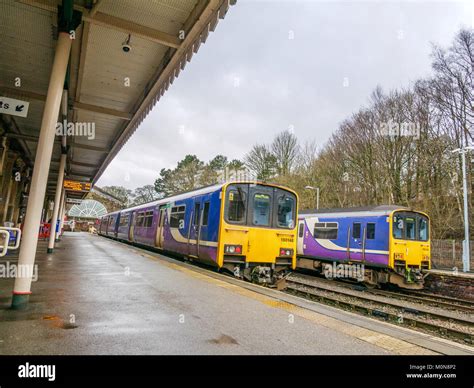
(10, 106)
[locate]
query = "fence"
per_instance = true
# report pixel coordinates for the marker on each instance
(447, 254)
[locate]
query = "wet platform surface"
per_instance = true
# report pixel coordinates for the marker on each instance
(97, 296)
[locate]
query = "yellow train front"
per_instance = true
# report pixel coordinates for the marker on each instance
(257, 232)
(410, 247)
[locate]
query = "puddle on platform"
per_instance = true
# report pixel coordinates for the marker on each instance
(224, 340)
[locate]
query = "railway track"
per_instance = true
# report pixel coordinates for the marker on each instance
(441, 298)
(390, 306)
(435, 300)
(430, 300)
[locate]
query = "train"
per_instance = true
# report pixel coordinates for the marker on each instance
(246, 228)
(376, 245)
(254, 231)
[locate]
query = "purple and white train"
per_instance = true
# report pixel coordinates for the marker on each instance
(376, 245)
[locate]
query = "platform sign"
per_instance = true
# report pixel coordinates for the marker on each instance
(70, 185)
(11, 106)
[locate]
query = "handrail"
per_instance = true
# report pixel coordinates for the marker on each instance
(236, 230)
(18, 236)
(7, 239)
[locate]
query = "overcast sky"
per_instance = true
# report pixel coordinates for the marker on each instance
(273, 65)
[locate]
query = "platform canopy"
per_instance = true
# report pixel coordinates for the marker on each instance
(107, 86)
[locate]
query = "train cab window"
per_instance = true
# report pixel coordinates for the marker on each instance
(326, 230)
(398, 226)
(356, 228)
(370, 231)
(177, 216)
(285, 212)
(205, 214)
(261, 209)
(423, 229)
(236, 210)
(410, 228)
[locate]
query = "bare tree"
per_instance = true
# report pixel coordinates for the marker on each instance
(285, 149)
(261, 162)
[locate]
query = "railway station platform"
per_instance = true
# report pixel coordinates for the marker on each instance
(99, 296)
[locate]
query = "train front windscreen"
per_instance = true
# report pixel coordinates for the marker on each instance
(410, 226)
(260, 206)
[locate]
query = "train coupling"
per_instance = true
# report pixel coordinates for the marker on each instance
(413, 275)
(262, 275)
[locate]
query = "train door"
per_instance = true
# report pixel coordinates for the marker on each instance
(195, 227)
(300, 244)
(138, 229)
(364, 242)
(260, 210)
(356, 240)
(203, 232)
(116, 225)
(131, 230)
(161, 225)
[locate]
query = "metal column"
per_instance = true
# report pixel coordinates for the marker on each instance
(57, 199)
(61, 215)
(22, 287)
(466, 253)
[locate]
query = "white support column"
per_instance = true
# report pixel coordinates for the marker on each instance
(61, 215)
(7, 200)
(22, 287)
(57, 202)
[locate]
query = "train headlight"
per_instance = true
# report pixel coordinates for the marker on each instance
(233, 249)
(286, 252)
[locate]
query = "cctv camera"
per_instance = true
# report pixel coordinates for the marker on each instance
(126, 48)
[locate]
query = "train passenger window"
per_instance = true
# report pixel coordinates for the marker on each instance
(139, 221)
(326, 230)
(205, 214)
(177, 217)
(410, 230)
(148, 219)
(236, 211)
(301, 229)
(356, 230)
(261, 209)
(286, 208)
(124, 218)
(197, 213)
(423, 229)
(370, 233)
